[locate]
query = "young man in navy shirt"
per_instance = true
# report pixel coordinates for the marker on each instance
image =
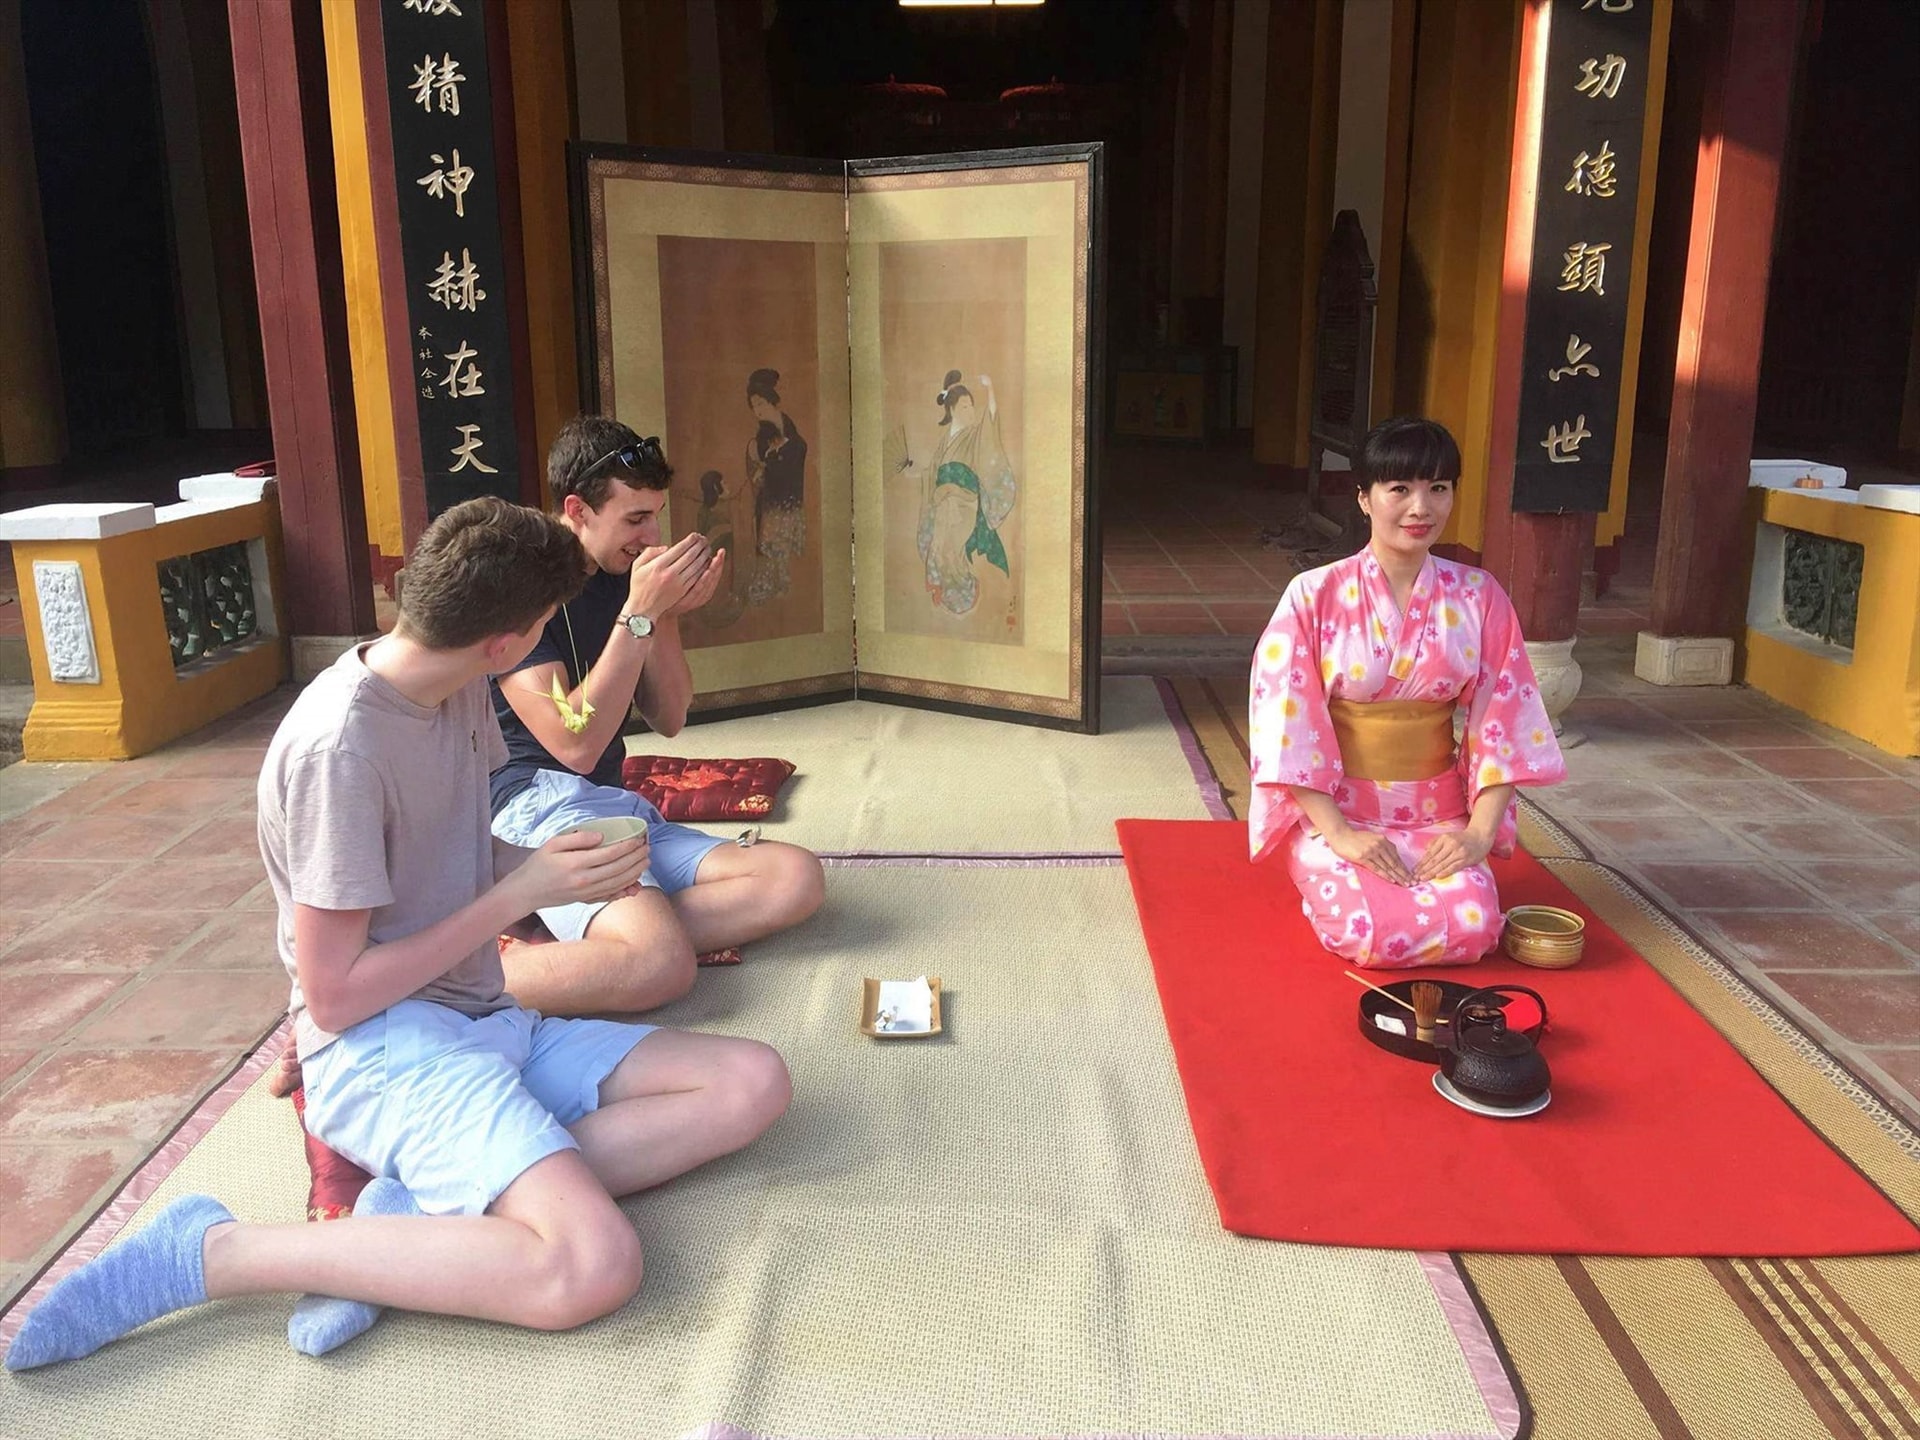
(617, 645)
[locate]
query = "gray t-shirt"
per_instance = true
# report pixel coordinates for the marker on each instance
(371, 802)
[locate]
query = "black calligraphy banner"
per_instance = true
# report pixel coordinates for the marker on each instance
(441, 103)
(1592, 114)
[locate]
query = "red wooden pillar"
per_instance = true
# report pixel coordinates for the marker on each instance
(1537, 557)
(280, 76)
(1701, 563)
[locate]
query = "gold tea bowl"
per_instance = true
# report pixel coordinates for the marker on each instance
(1544, 936)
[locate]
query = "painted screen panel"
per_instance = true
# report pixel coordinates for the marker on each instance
(970, 300)
(719, 324)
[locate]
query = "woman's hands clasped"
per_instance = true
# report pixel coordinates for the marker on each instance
(1370, 850)
(1451, 853)
(1374, 850)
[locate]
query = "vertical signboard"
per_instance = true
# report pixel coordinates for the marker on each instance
(441, 104)
(1593, 115)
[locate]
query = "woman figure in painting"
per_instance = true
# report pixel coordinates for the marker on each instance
(969, 491)
(1357, 683)
(716, 519)
(776, 471)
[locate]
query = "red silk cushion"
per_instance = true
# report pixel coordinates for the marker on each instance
(706, 789)
(334, 1182)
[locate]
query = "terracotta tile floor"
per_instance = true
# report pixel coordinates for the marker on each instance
(134, 967)
(1809, 886)
(1180, 532)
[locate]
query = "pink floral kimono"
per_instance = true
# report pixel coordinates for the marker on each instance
(1338, 635)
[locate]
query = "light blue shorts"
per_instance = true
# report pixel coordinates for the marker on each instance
(559, 800)
(458, 1108)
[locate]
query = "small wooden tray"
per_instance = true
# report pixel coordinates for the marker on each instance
(870, 1009)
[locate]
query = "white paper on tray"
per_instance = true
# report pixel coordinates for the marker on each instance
(905, 1005)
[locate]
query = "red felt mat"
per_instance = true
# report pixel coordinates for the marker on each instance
(1660, 1139)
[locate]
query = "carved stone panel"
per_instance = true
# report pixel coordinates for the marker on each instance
(65, 623)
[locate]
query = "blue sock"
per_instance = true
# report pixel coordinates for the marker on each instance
(321, 1323)
(144, 1277)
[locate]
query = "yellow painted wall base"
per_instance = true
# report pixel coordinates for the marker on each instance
(103, 730)
(1876, 695)
(141, 702)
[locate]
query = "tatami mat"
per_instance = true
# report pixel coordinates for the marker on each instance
(889, 778)
(1001, 1231)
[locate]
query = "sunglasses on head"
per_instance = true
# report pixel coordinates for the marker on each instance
(630, 456)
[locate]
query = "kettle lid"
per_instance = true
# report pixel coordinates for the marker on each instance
(1497, 1039)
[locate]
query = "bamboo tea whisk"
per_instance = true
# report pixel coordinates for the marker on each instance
(1426, 1009)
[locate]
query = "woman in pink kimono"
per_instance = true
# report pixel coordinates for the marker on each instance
(1364, 669)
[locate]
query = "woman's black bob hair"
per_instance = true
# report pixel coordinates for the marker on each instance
(1406, 448)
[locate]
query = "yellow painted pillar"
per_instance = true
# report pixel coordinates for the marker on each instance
(1296, 214)
(1466, 73)
(33, 413)
(542, 120)
(366, 308)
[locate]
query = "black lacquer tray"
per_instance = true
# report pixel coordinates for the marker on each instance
(1374, 1006)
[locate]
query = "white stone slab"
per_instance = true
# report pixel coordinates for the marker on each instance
(231, 488)
(1892, 497)
(188, 509)
(1781, 474)
(75, 521)
(1683, 659)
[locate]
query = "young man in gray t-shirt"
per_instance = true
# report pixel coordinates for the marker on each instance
(500, 1138)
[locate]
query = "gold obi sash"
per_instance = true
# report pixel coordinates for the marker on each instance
(1387, 740)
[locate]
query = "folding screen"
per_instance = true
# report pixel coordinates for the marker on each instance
(876, 385)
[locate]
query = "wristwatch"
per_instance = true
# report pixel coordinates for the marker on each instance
(638, 626)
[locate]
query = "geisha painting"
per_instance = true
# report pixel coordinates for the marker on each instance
(954, 552)
(738, 331)
(757, 518)
(776, 471)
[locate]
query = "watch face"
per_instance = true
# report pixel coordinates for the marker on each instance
(640, 626)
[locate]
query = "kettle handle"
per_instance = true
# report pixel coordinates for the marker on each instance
(1532, 1032)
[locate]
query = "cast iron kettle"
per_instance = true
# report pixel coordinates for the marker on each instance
(1486, 1060)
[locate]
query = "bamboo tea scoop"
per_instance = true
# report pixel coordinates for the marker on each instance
(1378, 990)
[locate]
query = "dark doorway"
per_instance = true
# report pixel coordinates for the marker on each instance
(1846, 262)
(854, 79)
(104, 206)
